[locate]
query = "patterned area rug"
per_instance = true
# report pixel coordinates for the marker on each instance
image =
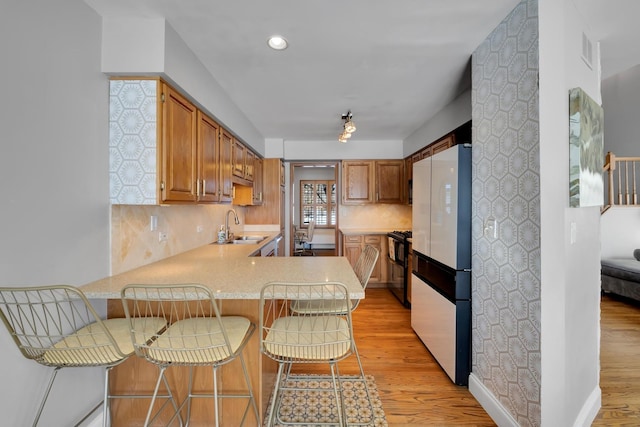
(314, 401)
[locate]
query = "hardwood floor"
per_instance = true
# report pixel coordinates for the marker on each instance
(619, 363)
(415, 391)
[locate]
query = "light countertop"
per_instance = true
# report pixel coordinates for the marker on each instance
(231, 272)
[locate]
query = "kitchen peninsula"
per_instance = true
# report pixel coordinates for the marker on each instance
(236, 278)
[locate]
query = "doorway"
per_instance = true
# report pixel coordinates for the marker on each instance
(315, 196)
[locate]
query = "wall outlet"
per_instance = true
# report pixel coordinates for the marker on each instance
(491, 228)
(199, 229)
(162, 236)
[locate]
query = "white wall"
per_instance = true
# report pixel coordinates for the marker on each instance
(334, 150)
(54, 163)
(455, 114)
(570, 274)
(620, 228)
(274, 148)
(621, 102)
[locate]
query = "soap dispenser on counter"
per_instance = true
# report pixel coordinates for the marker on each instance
(222, 234)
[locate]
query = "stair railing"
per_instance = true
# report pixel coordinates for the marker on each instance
(623, 180)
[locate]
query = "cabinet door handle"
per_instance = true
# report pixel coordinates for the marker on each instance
(197, 188)
(204, 187)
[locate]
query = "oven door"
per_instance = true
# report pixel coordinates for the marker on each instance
(397, 280)
(397, 269)
(397, 251)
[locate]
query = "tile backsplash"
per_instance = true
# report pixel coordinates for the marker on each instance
(378, 215)
(133, 244)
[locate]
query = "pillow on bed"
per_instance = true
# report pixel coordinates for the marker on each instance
(636, 254)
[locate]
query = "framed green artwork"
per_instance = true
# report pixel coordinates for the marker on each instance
(586, 150)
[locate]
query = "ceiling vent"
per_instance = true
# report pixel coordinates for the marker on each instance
(587, 51)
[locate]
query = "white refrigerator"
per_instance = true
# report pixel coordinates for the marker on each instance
(441, 276)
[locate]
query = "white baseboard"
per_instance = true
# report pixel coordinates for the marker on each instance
(590, 409)
(490, 404)
(503, 418)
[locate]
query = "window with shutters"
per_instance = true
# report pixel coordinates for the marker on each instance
(318, 202)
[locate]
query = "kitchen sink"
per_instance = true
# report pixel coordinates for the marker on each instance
(255, 238)
(245, 240)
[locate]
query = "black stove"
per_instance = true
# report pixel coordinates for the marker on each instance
(400, 235)
(398, 260)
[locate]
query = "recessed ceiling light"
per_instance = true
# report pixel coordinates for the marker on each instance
(277, 43)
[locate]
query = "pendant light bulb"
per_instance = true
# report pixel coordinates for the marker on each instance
(350, 126)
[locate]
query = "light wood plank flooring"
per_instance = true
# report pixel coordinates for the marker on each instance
(413, 388)
(415, 391)
(619, 363)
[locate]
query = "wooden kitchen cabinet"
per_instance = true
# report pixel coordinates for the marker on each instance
(208, 181)
(226, 179)
(237, 159)
(390, 181)
(250, 193)
(272, 209)
(443, 143)
(163, 149)
(372, 181)
(357, 182)
(249, 162)
(179, 147)
(352, 246)
(258, 186)
(242, 163)
(408, 168)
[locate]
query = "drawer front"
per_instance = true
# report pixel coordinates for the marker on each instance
(353, 239)
(373, 239)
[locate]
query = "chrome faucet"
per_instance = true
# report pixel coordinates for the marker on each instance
(227, 232)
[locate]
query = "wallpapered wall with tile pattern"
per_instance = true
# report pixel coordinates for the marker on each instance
(506, 269)
(132, 141)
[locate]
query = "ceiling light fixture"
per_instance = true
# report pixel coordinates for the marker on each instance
(277, 43)
(348, 128)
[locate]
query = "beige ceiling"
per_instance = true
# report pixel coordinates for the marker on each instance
(393, 63)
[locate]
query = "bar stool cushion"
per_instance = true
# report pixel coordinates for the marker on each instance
(200, 340)
(90, 345)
